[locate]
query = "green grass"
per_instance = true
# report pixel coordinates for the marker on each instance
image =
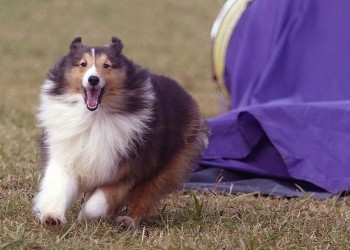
(169, 37)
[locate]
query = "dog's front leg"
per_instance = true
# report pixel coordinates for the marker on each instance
(57, 191)
(104, 201)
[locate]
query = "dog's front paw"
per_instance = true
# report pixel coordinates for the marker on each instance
(52, 220)
(127, 222)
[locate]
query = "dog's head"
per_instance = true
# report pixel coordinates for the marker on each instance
(93, 68)
(100, 75)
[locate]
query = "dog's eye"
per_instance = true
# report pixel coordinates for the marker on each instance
(106, 65)
(83, 64)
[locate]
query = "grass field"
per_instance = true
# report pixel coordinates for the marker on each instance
(169, 37)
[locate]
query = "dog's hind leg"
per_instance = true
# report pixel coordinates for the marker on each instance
(141, 200)
(144, 197)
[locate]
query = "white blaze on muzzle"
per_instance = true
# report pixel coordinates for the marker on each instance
(93, 85)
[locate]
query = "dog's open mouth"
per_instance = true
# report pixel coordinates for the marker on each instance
(93, 98)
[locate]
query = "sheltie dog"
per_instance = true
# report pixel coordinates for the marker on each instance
(112, 130)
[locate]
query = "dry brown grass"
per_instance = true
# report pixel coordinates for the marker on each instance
(170, 37)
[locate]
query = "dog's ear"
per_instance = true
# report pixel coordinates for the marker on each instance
(76, 44)
(117, 45)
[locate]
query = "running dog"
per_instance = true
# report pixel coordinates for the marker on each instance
(115, 131)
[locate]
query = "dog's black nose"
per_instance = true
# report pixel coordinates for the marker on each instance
(93, 80)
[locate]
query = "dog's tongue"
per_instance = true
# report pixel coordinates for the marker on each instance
(92, 96)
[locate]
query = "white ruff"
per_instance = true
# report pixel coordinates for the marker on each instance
(89, 145)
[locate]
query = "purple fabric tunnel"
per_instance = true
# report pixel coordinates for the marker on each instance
(287, 69)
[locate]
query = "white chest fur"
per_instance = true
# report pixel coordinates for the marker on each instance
(89, 145)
